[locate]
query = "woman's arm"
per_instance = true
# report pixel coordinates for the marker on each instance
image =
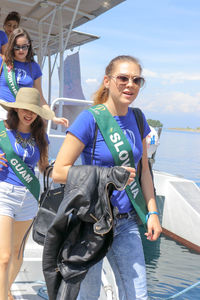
(38, 86)
(3, 161)
(69, 152)
(153, 224)
(3, 48)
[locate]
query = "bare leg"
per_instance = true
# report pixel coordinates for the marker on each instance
(6, 240)
(19, 230)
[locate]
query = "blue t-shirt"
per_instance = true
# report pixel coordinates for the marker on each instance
(30, 155)
(25, 73)
(3, 39)
(84, 129)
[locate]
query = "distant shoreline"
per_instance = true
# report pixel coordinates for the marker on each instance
(185, 129)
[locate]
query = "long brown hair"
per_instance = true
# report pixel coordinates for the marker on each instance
(101, 95)
(38, 131)
(9, 55)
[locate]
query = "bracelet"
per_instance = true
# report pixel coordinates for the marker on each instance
(151, 213)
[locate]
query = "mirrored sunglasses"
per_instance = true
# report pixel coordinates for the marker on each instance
(124, 79)
(23, 47)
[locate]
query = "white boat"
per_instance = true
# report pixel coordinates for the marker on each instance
(179, 205)
(51, 25)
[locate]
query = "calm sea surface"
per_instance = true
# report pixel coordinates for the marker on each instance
(171, 267)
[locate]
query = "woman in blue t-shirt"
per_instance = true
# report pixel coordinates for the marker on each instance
(11, 22)
(119, 89)
(19, 57)
(26, 131)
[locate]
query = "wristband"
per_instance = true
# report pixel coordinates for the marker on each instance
(151, 213)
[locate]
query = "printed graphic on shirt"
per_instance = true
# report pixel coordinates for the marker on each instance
(20, 75)
(130, 135)
(25, 151)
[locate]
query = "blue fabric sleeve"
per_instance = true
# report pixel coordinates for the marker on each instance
(83, 127)
(3, 38)
(37, 73)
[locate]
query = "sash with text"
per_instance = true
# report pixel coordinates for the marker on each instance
(122, 154)
(19, 167)
(9, 74)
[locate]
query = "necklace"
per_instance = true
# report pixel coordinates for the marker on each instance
(24, 142)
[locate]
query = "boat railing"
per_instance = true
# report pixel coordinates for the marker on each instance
(65, 101)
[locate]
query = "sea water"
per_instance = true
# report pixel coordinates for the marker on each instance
(171, 267)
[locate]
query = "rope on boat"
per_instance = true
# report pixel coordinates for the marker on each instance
(184, 291)
(43, 293)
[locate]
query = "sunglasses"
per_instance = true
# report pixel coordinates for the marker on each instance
(124, 79)
(23, 47)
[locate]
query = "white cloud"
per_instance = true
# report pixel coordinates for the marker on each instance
(173, 77)
(149, 73)
(171, 102)
(179, 77)
(91, 81)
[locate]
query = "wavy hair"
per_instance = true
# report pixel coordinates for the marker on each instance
(9, 55)
(38, 131)
(101, 95)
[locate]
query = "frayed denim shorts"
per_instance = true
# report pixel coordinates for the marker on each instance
(17, 202)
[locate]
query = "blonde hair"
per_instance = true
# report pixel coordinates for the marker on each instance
(101, 95)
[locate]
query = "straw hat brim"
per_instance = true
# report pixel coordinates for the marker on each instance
(42, 112)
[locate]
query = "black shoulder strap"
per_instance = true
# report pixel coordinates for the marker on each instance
(94, 142)
(139, 119)
(140, 123)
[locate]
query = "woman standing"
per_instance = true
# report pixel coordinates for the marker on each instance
(119, 89)
(23, 144)
(20, 70)
(11, 22)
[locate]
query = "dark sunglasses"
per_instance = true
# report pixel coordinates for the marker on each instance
(23, 47)
(124, 79)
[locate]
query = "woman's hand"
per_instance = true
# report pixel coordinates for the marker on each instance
(61, 121)
(132, 174)
(3, 160)
(154, 228)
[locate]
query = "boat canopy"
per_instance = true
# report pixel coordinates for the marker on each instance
(51, 24)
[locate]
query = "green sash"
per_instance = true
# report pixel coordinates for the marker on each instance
(19, 167)
(10, 79)
(122, 154)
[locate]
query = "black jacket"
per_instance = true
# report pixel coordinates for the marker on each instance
(81, 233)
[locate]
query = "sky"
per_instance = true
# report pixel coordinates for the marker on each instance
(164, 36)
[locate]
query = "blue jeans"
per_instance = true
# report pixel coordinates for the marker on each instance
(126, 258)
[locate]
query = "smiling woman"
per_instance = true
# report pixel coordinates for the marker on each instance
(11, 22)
(107, 135)
(23, 144)
(20, 70)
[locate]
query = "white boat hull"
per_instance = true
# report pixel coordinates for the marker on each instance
(179, 205)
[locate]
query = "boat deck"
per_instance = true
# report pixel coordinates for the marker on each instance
(30, 283)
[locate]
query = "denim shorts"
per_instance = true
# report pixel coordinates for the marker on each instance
(17, 202)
